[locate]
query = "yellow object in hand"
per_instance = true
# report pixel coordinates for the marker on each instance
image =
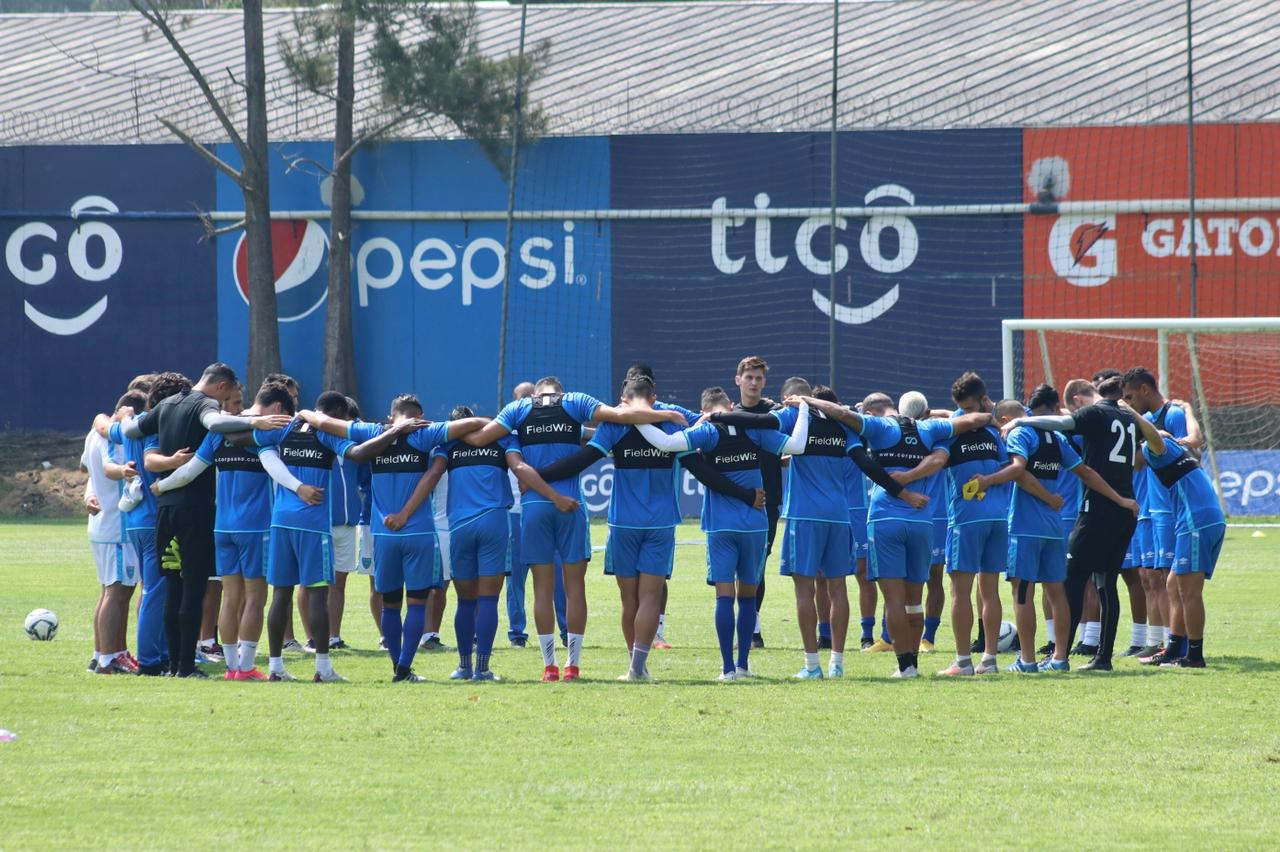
(970, 490)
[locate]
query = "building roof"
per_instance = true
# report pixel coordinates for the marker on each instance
(692, 67)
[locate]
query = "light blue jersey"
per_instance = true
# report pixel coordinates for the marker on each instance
(549, 428)
(1050, 459)
(817, 486)
(244, 487)
(143, 516)
(900, 443)
(1192, 499)
(1172, 419)
(309, 456)
(736, 454)
(976, 453)
(478, 480)
(396, 472)
(644, 478)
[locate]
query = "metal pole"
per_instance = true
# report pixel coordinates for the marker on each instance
(831, 282)
(1197, 385)
(1044, 357)
(1162, 357)
(511, 207)
(1006, 359)
(1191, 162)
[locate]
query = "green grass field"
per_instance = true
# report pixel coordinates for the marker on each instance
(1138, 758)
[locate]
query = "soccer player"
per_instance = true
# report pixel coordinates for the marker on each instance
(753, 372)
(301, 549)
(181, 420)
(344, 503)
(737, 533)
(875, 404)
(518, 570)
(1200, 529)
(1039, 463)
(242, 529)
(113, 553)
(977, 530)
(364, 537)
(1157, 533)
(139, 517)
(901, 530)
(1108, 515)
(549, 427)
(478, 502)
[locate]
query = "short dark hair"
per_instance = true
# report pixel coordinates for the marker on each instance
(640, 369)
(460, 411)
(165, 386)
(405, 403)
(969, 386)
(142, 382)
(877, 399)
(1044, 396)
(713, 396)
(283, 379)
(332, 403)
(1111, 387)
(549, 380)
(638, 386)
(271, 393)
(1102, 375)
(1140, 376)
(218, 372)
(353, 409)
(825, 393)
(752, 362)
(796, 385)
(1010, 408)
(134, 399)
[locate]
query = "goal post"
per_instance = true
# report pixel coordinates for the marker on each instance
(1227, 368)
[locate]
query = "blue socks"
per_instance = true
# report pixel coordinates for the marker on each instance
(464, 625)
(824, 630)
(868, 627)
(415, 620)
(724, 630)
(486, 629)
(391, 632)
(884, 629)
(746, 628)
(931, 628)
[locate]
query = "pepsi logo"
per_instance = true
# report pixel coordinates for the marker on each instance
(299, 254)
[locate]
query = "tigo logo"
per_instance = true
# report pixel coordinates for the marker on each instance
(299, 248)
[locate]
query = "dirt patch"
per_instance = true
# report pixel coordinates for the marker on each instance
(40, 474)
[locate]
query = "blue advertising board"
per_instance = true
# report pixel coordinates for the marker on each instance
(597, 487)
(1249, 481)
(915, 303)
(427, 294)
(90, 303)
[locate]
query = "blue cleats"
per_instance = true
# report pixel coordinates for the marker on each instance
(1019, 667)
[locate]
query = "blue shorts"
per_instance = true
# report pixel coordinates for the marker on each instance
(858, 529)
(900, 550)
(1164, 537)
(938, 553)
(242, 553)
(1197, 552)
(480, 547)
(300, 558)
(546, 532)
(631, 552)
(406, 562)
(979, 547)
(1143, 545)
(736, 556)
(811, 548)
(1037, 560)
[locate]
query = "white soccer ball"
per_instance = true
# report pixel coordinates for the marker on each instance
(41, 625)
(1008, 637)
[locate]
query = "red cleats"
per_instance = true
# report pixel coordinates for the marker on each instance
(551, 674)
(571, 673)
(232, 674)
(251, 674)
(661, 645)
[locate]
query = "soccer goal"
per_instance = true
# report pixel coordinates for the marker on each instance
(1228, 368)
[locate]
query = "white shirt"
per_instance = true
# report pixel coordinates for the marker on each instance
(515, 492)
(440, 505)
(104, 527)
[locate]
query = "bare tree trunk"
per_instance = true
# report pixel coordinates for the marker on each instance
(264, 331)
(339, 349)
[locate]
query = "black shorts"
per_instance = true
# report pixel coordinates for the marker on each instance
(192, 528)
(1100, 540)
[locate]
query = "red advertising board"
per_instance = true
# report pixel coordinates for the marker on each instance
(1095, 265)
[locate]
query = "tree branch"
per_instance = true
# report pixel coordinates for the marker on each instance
(212, 158)
(149, 11)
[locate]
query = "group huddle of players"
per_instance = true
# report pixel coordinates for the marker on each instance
(1069, 492)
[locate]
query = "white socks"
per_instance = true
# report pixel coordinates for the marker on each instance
(1139, 635)
(811, 660)
(275, 665)
(757, 621)
(1092, 632)
(247, 651)
(231, 656)
(547, 642)
(662, 622)
(334, 640)
(837, 658)
(575, 648)
(323, 666)
(1048, 626)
